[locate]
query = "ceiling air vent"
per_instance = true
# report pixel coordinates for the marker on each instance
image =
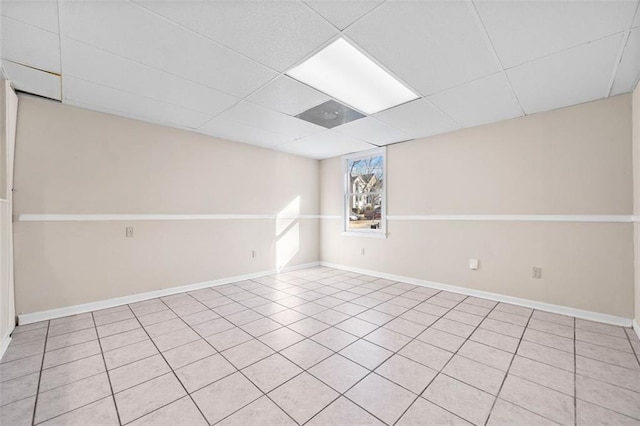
(329, 114)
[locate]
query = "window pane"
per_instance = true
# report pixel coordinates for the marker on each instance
(364, 211)
(366, 175)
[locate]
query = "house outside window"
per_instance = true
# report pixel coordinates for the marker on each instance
(364, 194)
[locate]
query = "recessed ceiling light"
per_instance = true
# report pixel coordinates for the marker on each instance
(343, 72)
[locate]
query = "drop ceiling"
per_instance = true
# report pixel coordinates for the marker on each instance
(218, 67)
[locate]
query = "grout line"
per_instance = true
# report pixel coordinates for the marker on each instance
(35, 403)
(106, 371)
(507, 373)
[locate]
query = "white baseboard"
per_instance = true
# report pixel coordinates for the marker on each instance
(548, 307)
(4, 343)
(118, 301)
(636, 328)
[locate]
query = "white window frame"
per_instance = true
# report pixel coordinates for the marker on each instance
(372, 233)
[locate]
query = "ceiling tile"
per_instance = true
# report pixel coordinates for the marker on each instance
(30, 46)
(101, 98)
(256, 116)
(107, 69)
(373, 131)
(42, 13)
(432, 46)
(275, 33)
(325, 145)
(288, 96)
(629, 67)
(526, 30)
(34, 81)
(343, 13)
(570, 77)
(482, 101)
(128, 30)
(418, 119)
(239, 132)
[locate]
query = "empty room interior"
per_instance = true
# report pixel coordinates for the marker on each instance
(319, 212)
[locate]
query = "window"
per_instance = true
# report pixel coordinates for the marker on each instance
(364, 194)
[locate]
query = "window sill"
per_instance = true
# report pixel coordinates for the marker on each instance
(364, 234)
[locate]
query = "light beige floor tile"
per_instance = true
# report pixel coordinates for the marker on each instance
(19, 413)
(114, 316)
(547, 355)
(509, 318)
(331, 317)
(344, 412)
(247, 353)
(117, 327)
(303, 396)
(71, 372)
(281, 338)
(189, 309)
(20, 367)
(612, 342)
(22, 351)
(186, 354)
(339, 372)
(34, 336)
(99, 413)
(262, 411)
(287, 317)
(473, 373)
(138, 372)
(407, 373)
(175, 339)
(222, 398)
(375, 317)
(465, 318)
(597, 327)
(16, 389)
(551, 317)
(454, 396)
(166, 327)
(611, 356)
(426, 354)
(71, 353)
(204, 372)
(212, 327)
(243, 317)
(388, 339)
(406, 327)
(229, 338)
(590, 414)
(548, 339)
(142, 399)
(56, 329)
(357, 327)
(69, 397)
(271, 372)
(496, 340)
(156, 317)
(612, 374)
(69, 339)
(308, 326)
(382, 398)
(128, 354)
(334, 339)
(501, 327)
(123, 339)
(421, 410)
(200, 317)
(541, 400)
(306, 353)
(180, 412)
(507, 414)
(543, 374)
(366, 354)
(608, 396)
(262, 326)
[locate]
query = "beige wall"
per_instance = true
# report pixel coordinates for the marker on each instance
(573, 161)
(74, 161)
(636, 195)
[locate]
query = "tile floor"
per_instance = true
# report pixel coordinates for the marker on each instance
(320, 346)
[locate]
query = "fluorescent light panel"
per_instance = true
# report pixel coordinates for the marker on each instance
(343, 72)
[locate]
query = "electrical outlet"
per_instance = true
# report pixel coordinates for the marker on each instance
(474, 264)
(537, 272)
(362, 251)
(254, 254)
(128, 232)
